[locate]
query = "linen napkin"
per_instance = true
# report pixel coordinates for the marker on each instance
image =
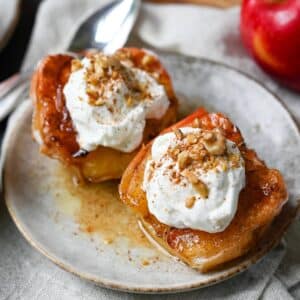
(9, 14)
(193, 30)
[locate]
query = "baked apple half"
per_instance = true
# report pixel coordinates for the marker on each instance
(200, 193)
(94, 113)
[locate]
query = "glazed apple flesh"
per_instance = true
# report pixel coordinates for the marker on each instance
(259, 202)
(53, 129)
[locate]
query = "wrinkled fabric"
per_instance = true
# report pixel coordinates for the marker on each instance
(193, 30)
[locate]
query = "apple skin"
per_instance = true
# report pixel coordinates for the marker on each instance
(270, 30)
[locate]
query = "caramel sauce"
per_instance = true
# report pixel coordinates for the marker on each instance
(51, 116)
(97, 209)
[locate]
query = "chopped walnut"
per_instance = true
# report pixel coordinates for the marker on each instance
(176, 179)
(198, 154)
(196, 123)
(102, 70)
(98, 69)
(114, 75)
(175, 176)
(174, 152)
(92, 93)
(194, 155)
(235, 160)
(183, 160)
(197, 184)
(202, 189)
(129, 100)
(93, 79)
(191, 139)
(205, 150)
(214, 143)
(192, 178)
(76, 65)
(100, 102)
(155, 75)
(209, 137)
(142, 86)
(178, 134)
(224, 166)
(147, 59)
(189, 202)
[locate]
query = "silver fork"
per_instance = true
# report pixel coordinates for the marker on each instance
(106, 30)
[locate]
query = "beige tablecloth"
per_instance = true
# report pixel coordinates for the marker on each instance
(193, 30)
(9, 14)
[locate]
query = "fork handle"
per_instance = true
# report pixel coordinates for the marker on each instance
(10, 84)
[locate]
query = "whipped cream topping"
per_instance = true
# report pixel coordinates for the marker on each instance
(109, 102)
(200, 195)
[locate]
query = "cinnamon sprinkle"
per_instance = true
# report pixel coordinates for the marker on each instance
(104, 71)
(205, 150)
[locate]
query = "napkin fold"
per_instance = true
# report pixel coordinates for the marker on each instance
(9, 14)
(193, 30)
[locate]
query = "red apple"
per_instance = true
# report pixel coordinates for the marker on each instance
(270, 29)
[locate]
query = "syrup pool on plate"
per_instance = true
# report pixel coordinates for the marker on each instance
(98, 211)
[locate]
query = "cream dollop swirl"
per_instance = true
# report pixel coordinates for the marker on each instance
(117, 117)
(201, 196)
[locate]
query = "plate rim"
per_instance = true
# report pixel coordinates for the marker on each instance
(116, 285)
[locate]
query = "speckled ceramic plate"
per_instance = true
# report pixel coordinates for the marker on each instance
(90, 233)
(9, 15)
